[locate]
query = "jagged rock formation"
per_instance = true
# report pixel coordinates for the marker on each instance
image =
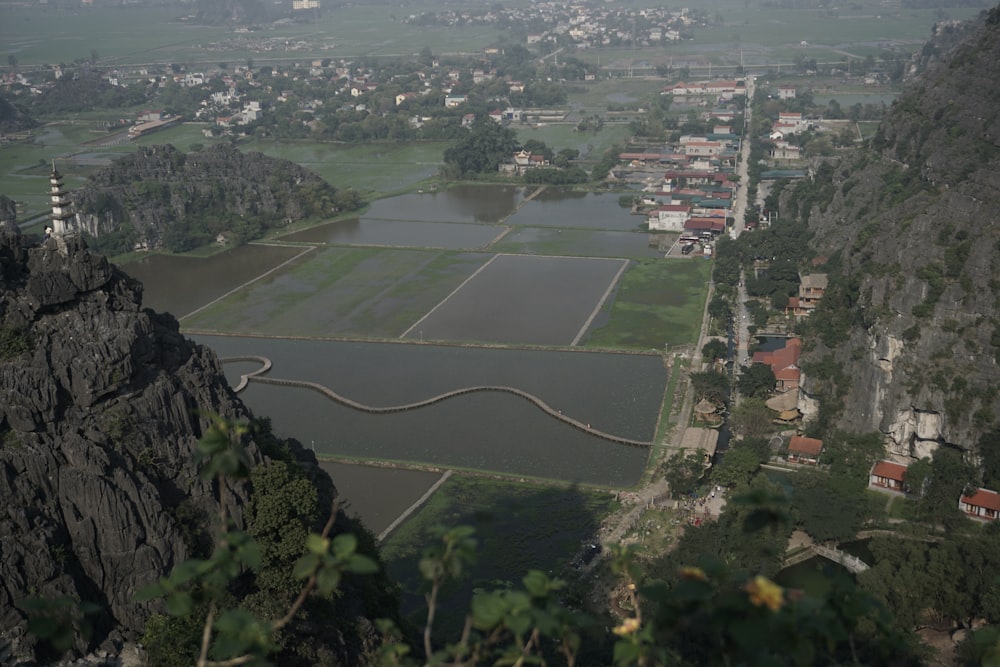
(159, 196)
(912, 318)
(101, 404)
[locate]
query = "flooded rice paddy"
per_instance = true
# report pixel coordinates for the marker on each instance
(425, 267)
(399, 233)
(519, 299)
(614, 393)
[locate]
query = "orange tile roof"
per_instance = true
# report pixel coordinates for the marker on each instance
(801, 445)
(889, 470)
(984, 498)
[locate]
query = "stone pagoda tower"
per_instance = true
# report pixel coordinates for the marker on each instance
(63, 216)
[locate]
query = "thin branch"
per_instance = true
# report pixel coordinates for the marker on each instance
(206, 636)
(431, 605)
(232, 662)
(311, 582)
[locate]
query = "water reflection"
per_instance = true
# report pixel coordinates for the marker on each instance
(397, 233)
(464, 203)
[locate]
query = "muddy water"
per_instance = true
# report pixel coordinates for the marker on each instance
(179, 285)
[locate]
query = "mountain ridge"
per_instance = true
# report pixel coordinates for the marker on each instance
(912, 316)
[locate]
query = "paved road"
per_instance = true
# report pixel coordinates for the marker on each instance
(740, 206)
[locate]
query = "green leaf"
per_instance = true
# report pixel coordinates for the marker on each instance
(179, 603)
(488, 610)
(361, 564)
(150, 592)
(250, 555)
(430, 568)
(44, 627)
(327, 580)
(626, 653)
(305, 566)
(344, 545)
(536, 583)
(317, 544)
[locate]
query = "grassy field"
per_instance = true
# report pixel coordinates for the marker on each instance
(590, 144)
(519, 527)
(659, 302)
(378, 169)
(154, 34)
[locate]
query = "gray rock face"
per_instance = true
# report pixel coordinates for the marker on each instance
(99, 414)
(912, 222)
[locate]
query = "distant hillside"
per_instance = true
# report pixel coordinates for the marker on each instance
(907, 339)
(161, 197)
(85, 90)
(12, 119)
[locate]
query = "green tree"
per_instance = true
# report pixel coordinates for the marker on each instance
(738, 466)
(751, 418)
(714, 349)
(683, 471)
(711, 385)
(756, 380)
(481, 151)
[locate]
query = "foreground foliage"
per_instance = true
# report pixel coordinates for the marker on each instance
(717, 613)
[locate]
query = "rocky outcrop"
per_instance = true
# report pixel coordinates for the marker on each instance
(100, 405)
(912, 317)
(159, 196)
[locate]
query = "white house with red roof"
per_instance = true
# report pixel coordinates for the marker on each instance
(888, 476)
(804, 450)
(983, 504)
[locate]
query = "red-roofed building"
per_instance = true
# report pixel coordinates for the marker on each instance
(804, 450)
(784, 363)
(983, 504)
(887, 475)
(715, 225)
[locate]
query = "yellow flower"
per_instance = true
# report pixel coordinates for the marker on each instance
(628, 627)
(765, 593)
(695, 573)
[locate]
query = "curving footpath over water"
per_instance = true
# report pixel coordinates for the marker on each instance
(257, 376)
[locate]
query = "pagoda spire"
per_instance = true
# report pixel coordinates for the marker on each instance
(63, 217)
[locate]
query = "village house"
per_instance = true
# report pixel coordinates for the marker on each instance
(402, 97)
(718, 87)
(786, 92)
(668, 218)
(784, 364)
(811, 290)
(452, 101)
(983, 504)
(522, 161)
(783, 150)
(804, 450)
(887, 475)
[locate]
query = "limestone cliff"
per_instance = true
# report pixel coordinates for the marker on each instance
(909, 332)
(101, 404)
(162, 197)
